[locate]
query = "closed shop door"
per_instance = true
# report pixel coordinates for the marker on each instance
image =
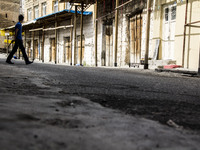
(67, 51)
(53, 50)
(109, 46)
(36, 53)
(79, 49)
(135, 39)
(29, 49)
(169, 23)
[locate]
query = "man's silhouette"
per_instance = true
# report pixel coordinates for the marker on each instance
(18, 42)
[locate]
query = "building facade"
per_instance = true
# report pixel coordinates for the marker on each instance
(38, 8)
(170, 18)
(167, 45)
(53, 32)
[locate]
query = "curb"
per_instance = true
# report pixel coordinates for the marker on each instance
(183, 72)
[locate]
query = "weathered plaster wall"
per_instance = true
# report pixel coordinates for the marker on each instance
(30, 4)
(123, 42)
(192, 38)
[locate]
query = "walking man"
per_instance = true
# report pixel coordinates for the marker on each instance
(18, 42)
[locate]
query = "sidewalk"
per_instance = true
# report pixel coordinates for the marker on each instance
(3, 55)
(183, 71)
(179, 70)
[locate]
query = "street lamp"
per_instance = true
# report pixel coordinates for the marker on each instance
(199, 61)
(146, 65)
(7, 35)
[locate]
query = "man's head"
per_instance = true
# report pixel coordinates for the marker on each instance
(21, 18)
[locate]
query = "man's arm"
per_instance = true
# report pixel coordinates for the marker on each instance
(16, 31)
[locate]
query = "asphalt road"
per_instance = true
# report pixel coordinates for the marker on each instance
(168, 103)
(158, 96)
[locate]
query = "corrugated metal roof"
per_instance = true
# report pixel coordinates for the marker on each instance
(65, 10)
(23, 24)
(79, 1)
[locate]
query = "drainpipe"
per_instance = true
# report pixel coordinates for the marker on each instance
(146, 65)
(184, 34)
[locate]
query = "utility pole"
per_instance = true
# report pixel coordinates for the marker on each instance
(7, 44)
(75, 15)
(116, 31)
(33, 46)
(25, 40)
(56, 36)
(96, 31)
(71, 38)
(146, 63)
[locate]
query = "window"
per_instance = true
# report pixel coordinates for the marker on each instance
(166, 14)
(56, 6)
(170, 13)
(173, 13)
(29, 11)
(67, 5)
(44, 9)
(36, 9)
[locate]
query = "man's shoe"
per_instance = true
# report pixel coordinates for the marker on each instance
(9, 62)
(29, 62)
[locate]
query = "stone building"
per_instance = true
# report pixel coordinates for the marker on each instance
(9, 11)
(38, 8)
